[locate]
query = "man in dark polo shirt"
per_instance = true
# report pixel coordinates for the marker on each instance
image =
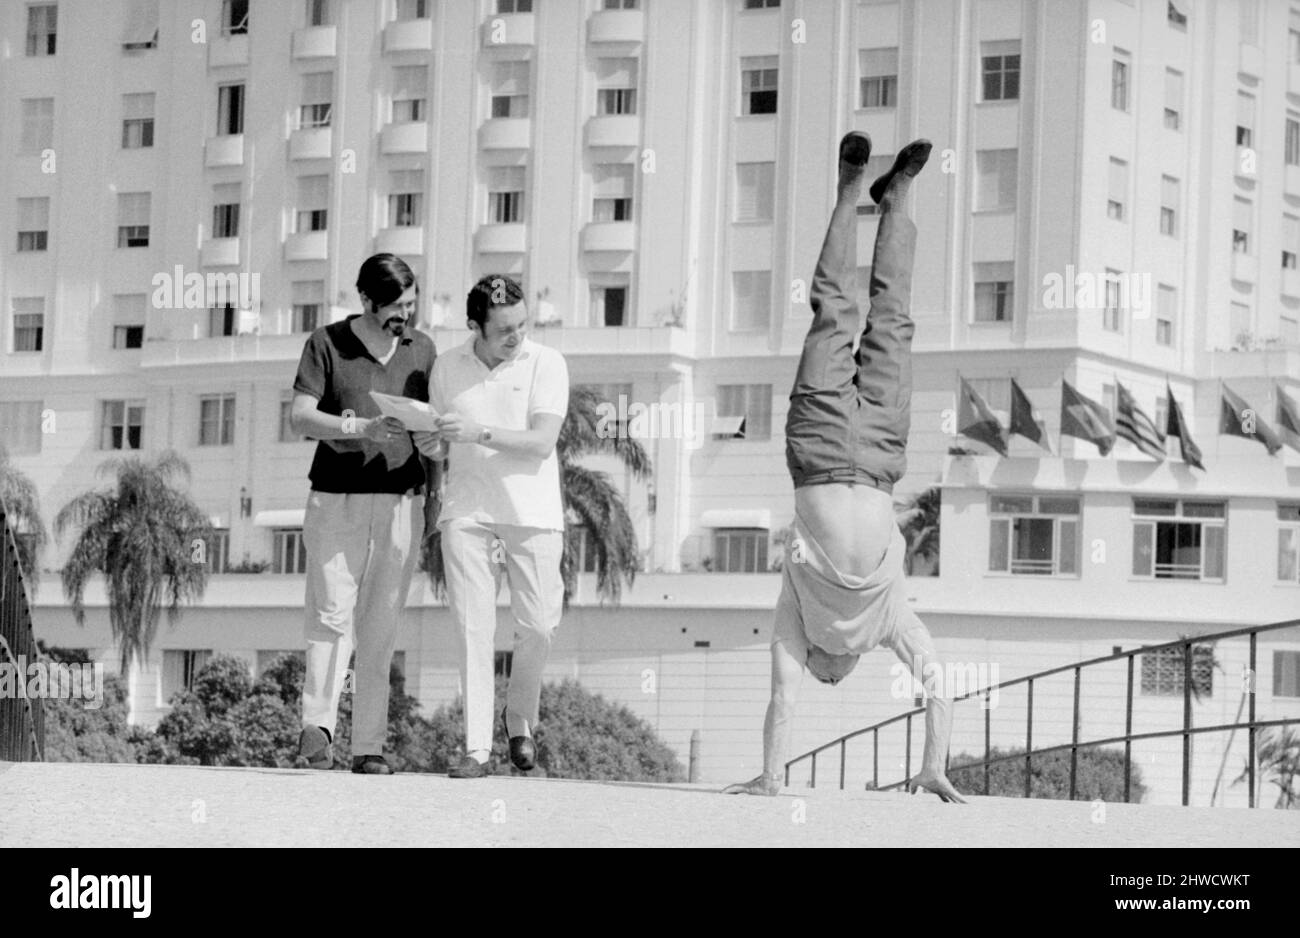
(365, 512)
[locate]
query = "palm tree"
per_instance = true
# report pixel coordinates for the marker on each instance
(147, 538)
(919, 522)
(22, 510)
(592, 505)
(1278, 754)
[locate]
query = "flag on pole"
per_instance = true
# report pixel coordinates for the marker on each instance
(1023, 420)
(1086, 420)
(1237, 418)
(1288, 419)
(977, 422)
(1176, 426)
(1132, 424)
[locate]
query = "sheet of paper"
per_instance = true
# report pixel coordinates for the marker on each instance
(415, 415)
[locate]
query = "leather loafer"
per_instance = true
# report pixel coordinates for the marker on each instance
(523, 751)
(371, 765)
(468, 767)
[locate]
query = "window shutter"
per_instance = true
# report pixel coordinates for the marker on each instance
(1144, 548)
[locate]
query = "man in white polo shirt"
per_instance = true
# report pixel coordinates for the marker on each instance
(503, 399)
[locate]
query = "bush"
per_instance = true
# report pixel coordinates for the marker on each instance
(1100, 775)
(76, 733)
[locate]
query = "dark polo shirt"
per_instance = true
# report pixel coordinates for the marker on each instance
(338, 370)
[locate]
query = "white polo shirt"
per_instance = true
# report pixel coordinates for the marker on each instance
(489, 485)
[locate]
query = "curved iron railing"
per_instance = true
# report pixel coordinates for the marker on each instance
(1127, 738)
(22, 719)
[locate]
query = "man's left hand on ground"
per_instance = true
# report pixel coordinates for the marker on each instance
(935, 782)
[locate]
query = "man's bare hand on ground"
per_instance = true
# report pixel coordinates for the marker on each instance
(937, 783)
(763, 785)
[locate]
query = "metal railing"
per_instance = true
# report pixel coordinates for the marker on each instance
(1187, 731)
(22, 719)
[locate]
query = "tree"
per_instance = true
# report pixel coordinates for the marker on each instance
(592, 505)
(22, 509)
(147, 538)
(1278, 753)
(919, 522)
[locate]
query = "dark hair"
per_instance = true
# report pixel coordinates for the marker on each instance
(383, 278)
(492, 290)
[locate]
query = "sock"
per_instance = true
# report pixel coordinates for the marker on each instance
(890, 190)
(480, 756)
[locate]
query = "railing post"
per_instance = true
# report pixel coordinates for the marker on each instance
(1187, 722)
(844, 743)
(988, 717)
(812, 783)
(907, 765)
(875, 758)
(1074, 743)
(1029, 741)
(1128, 732)
(1250, 755)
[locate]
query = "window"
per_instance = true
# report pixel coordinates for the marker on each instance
(410, 90)
(1000, 68)
(319, 13)
(125, 337)
(225, 210)
(141, 26)
(133, 219)
(514, 6)
(510, 89)
(616, 86)
(221, 321)
(1166, 310)
(308, 298)
(1290, 241)
(1173, 99)
(22, 426)
(879, 83)
(38, 125)
(588, 560)
(317, 95)
(612, 190)
(290, 551)
(761, 4)
(993, 292)
(1245, 119)
(995, 186)
(1293, 39)
(179, 669)
(137, 121)
(1117, 189)
(1034, 535)
(1248, 21)
(1292, 140)
(230, 110)
(621, 5)
(121, 424)
(758, 83)
(751, 305)
(128, 320)
(217, 420)
(33, 224)
(234, 17)
(1288, 543)
(1286, 674)
(405, 198)
(502, 662)
(740, 550)
(505, 195)
(755, 191)
(1112, 318)
(1163, 671)
(1176, 14)
(1169, 198)
(1238, 321)
(1119, 81)
(609, 306)
(1241, 226)
(412, 10)
(42, 28)
(876, 167)
(752, 403)
(29, 323)
(313, 198)
(287, 434)
(1178, 539)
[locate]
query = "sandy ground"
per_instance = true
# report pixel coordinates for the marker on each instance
(59, 804)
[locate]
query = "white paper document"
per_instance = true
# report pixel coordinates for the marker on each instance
(415, 415)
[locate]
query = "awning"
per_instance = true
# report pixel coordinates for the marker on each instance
(283, 518)
(217, 521)
(141, 24)
(737, 518)
(727, 426)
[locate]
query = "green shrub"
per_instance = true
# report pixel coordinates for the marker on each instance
(1100, 775)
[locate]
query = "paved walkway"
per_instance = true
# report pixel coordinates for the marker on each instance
(61, 804)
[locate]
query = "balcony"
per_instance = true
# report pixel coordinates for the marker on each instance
(609, 236)
(505, 133)
(307, 246)
(1245, 268)
(408, 36)
(508, 29)
(405, 138)
(226, 51)
(1250, 60)
(220, 252)
(190, 352)
(1292, 183)
(616, 26)
(614, 130)
(226, 150)
(315, 42)
(1291, 282)
(311, 143)
(501, 239)
(400, 241)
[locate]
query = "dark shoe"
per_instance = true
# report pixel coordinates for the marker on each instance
(909, 162)
(371, 765)
(855, 148)
(468, 767)
(523, 751)
(314, 746)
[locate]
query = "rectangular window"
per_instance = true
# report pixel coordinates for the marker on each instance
(510, 82)
(290, 551)
(33, 224)
(225, 210)
(217, 420)
(179, 669)
(1286, 674)
(751, 306)
(1117, 189)
(1241, 212)
(514, 6)
(234, 17)
(38, 125)
(308, 298)
(1292, 140)
(752, 403)
(878, 86)
(1169, 198)
(993, 292)
(612, 192)
(313, 200)
(320, 12)
(1173, 99)
(609, 306)
(1288, 543)
(1166, 310)
(1245, 119)
(1239, 323)
(1293, 39)
(1164, 671)
(505, 195)
(121, 424)
(410, 93)
(29, 323)
(230, 110)
(996, 183)
(1248, 21)
(221, 321)
(740, 550)
(1178, 539)
(1119, 69)
(758, 84)
(616, 83)
(125, 337)
(1034, 535)
(1112, 315)
(133, 219)
(42, 28)
(1290, 241)
(129, 312)
(317, 100)
(1000, 70)
(761, 4)
(218, 550)
(141, 26)
(755, 191)
(22, 426)
(412, 10)
(137, 121)
(405, 198)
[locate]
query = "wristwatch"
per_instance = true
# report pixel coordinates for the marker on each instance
(485, 436)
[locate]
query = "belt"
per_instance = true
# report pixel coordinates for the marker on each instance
(848, 475)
